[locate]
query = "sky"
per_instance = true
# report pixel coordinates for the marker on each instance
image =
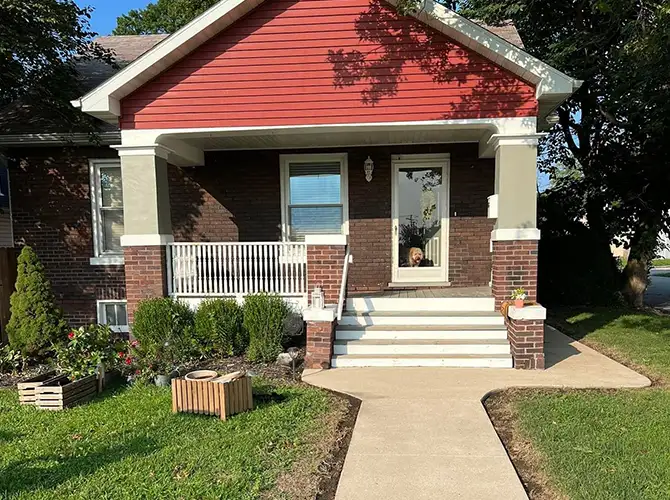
(103, 19)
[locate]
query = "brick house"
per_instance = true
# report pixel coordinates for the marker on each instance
(284, 145)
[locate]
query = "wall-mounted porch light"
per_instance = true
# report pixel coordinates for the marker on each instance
(368, 166)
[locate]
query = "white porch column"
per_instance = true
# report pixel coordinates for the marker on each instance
(147, 222)
(515, 244)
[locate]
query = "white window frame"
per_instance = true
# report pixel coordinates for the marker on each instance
(102, 314)
(100, 258)
(285, 160)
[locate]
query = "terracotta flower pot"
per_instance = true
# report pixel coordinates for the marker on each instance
(518, 303)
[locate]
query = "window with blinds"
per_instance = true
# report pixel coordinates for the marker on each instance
(314, 198)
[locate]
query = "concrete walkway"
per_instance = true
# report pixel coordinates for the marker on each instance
(422, 433)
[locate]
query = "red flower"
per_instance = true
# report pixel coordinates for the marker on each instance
(122, 355)
(70, 335)
(128, 361)
(134, 343)
(138, 372)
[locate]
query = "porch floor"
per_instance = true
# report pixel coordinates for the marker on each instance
(425, 293)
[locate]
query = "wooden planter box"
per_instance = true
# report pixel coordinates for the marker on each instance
(26, 388)
(220, 398)
(57, 394)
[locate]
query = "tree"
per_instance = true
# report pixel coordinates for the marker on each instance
(613, 133)
(164, 16)
(36, 323)
(41, 43)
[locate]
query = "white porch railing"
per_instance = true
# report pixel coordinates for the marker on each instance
(237, 269)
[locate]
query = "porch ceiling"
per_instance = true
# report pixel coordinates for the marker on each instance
(325, 140)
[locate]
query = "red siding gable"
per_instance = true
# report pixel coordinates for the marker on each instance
(308, 62)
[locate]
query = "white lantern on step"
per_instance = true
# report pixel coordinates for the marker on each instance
(317, 298)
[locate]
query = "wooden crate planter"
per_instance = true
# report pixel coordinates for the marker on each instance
(27, 388)
(60, 394)
(220, 398)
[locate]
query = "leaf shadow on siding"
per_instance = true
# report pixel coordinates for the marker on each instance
(396, 44)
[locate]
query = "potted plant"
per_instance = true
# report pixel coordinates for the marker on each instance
(155, 363)
(518, 296)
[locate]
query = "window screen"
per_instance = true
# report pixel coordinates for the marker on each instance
(315, 199)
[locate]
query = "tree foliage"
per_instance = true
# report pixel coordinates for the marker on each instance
(608, 149)
(41, 43)
(164, 16)
(36, 323)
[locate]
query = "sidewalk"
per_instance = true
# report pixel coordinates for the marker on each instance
(422, 433)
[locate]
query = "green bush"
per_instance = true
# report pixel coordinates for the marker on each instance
(88, 347)
(36, 323)
(163, 328)
(219, 327)
(264, 317)
(11, 360)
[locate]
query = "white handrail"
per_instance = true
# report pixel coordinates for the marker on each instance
(343, 285)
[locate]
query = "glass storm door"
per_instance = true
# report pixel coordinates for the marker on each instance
(420, 218)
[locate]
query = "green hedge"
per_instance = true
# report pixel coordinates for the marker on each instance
(219, 327)
(264, 317)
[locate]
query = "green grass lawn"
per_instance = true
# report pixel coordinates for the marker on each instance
(635, 338)
(661, 262)
(128, 444)
(603, 444)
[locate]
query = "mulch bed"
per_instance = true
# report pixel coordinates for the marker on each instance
(331, 468)
(239, 363)
(11, 379)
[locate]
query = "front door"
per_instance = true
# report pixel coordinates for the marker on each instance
(420, 218)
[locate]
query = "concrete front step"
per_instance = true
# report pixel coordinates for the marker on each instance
(428, 332)
(417, 304)
(414, 318)
(421, 346)
(453, 360)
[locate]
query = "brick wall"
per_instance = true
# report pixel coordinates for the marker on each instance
(324, 269)
(514, 266)
(51, 211)
(145, 275)
(319, 349)
(526, 338)
(235, 197)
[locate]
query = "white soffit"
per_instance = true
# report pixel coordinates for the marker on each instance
(104, 101)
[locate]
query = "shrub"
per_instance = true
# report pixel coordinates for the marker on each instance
(10, 360)
(164, 329)
(88, 347)
(36, 323)
(219, 327)
(264, 318)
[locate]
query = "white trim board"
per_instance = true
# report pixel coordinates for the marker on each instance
(104, 101)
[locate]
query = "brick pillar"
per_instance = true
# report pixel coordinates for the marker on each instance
(525, 332)
(514, 266)
(146, 274)
(320, 336)
(324, 269)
